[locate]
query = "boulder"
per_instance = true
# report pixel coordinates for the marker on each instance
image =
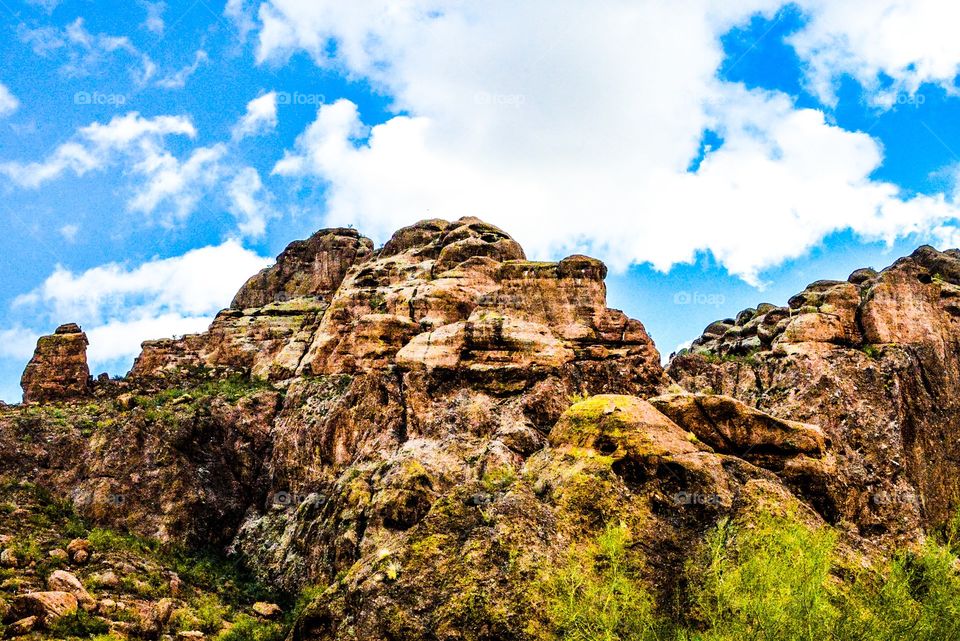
(48, 607)
(58, 370)
(62, 581)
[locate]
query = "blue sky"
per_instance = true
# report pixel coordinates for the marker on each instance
(715, 154)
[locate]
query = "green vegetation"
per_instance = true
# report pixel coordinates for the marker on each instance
(872, 351)
(230, 389)
(597, 595)
(768, 582)
(247, 628)
(774, 579)
(81, 625)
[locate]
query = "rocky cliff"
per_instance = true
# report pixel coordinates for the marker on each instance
(424, 430)
(875, 362)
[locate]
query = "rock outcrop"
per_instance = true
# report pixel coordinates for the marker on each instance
(875, 362)
(424, 428)
(58, 370)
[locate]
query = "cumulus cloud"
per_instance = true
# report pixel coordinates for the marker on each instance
(120, 305)
(176, 186)
(889, 46)
(249, 202)
(98, 145)
(18, 343)
(8, 102)
(159, 182)
(563, 112)
(261, 117)
(178, 79)
(154, 22)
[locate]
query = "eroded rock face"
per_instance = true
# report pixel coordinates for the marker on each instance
(875, 362)
(314, 267)
(420, 427)
(58, 370)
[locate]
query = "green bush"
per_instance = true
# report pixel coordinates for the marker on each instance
(81, 625)
(596, 595)
(210, 613)
(247, 628)
(768, 582)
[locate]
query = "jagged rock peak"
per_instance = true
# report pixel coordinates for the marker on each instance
(58, 369)
(312, 267)
(459, 296)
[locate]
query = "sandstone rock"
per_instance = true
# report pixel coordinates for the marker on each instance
(873, 362)
(107, 579)
(78, 545)
(62, 581)
(58, 554)
(8, 558)
(314, 267)
(154, 618)
(21, 627)
(106, 607)
(48, 607)
(58, 370)
(267, 610)
(732, 427)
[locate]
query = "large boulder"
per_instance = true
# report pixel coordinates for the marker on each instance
(58, 370)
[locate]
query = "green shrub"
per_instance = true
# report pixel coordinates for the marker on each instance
(247, 628)
(81, 625)
(210, 613)
(596, 595)
(915, 597)
(768, 582)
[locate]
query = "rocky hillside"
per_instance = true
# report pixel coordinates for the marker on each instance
(875, 362)
(439, 439)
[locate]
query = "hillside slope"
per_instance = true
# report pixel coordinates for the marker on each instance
(438, 439)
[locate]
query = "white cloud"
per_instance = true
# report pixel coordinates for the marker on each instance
(241, 12)
(18, 343)
(8, 102)
(249, 202)
(177, 185)
(120, 306)
(160, 183)
(85, 51)
(69, 232)
(46, 5)
(911, 42)
(121, 340)
(96, 146)
(261, 117)
(565, 113)
(179, 79)
(154, 22)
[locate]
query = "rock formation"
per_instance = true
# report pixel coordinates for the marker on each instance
(58, 370)
(874, 361)
(421, 429)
